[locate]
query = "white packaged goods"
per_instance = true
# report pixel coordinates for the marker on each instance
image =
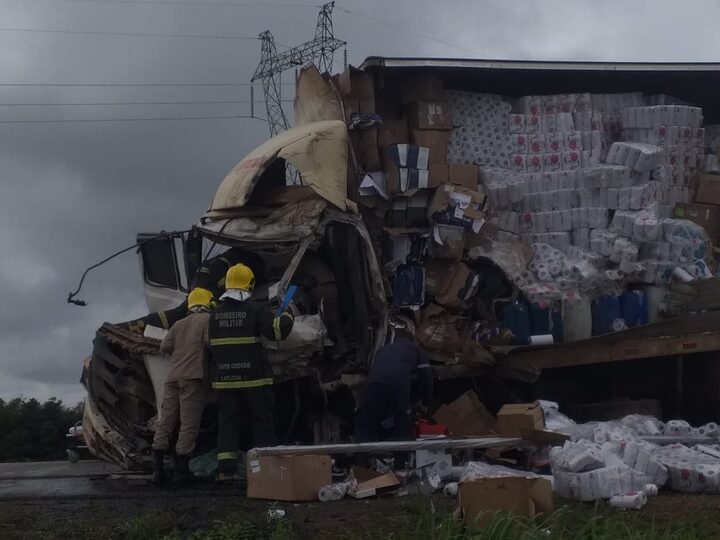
(598, 172)
(633, 499)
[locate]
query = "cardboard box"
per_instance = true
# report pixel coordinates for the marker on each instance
(406, 180)
(708, 189)
(434, 140)
(466, 176)
(409, 155)
(528, 497)
(369, 152)
(371, 483)
(448, 242)
(438, 173)
(422, 87)
(417, 209)
(393, 132)
(513, 417)
(430, 115)
(466, 416)
(439, 330)
(706, 215)
(288, 478)
(397, 216)
(462, 205)
(365, 90)
(454, 285)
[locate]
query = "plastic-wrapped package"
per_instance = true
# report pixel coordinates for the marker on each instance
(474, 470)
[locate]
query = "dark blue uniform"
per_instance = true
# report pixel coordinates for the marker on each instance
(387, 392)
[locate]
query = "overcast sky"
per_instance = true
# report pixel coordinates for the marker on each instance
(72, 193)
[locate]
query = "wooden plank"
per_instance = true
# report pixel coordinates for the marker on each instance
(626, 350)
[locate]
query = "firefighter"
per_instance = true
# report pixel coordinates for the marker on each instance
(239, 373)
(386, 399)
(184, 392)
(210, 276)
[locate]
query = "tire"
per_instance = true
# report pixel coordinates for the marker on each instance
(73, 456)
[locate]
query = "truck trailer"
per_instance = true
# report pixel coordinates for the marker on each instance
(384, 197)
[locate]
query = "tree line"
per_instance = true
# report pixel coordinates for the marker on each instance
(34, 431)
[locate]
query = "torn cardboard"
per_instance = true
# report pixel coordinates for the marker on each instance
(459, 206)
(459, 283)
(466, 416)
(288, 478)
(480, 499)
(514, 417)
(438, 330)
(371, 483)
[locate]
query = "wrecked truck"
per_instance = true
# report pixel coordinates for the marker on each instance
(307, 235)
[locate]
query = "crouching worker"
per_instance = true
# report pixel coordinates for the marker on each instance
(238, 369)
(184, 392)
(386, 401)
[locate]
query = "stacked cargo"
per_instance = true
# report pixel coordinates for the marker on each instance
(588, 181)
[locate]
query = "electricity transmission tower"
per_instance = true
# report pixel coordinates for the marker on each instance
(320, 50)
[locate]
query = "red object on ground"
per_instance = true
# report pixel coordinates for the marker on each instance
(423, 427)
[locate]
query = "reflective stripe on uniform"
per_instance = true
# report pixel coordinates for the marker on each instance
(163, 320)
(276, 325)
(420, 366)
(226, 455)
(233, 341)
(276, 329)
(243, 384)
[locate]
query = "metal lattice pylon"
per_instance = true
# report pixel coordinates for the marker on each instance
(320, 51)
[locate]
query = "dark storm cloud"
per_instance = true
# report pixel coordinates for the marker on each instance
(73, 193)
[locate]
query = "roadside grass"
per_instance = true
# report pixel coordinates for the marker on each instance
(567, 523)
(415, 518)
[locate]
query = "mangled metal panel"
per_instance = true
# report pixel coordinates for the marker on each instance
(318, 151)
(315, 99)
(291, 223)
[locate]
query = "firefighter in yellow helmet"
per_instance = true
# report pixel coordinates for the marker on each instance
(238, 369)
(184, 391)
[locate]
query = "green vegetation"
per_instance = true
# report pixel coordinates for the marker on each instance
(413, 519)
(34, 431)
(567, 523)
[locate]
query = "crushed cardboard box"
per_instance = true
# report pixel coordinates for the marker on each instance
(513, 417)
(480, 499)
(708, 189)
(372, 483)
(460, 204)
(466, 416)
(288, 478)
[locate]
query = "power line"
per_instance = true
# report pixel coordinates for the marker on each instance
(187, 3)
(131, 84)
(408, 30)
(108, 103)
(144, 119)
(125, 34)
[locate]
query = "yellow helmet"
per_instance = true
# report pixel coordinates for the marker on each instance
(240, 277)
(199, 297)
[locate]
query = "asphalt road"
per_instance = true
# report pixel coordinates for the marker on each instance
(62, 479)
(91, 479)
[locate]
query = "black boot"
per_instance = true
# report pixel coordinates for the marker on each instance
(158, 477)
(182, 470)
